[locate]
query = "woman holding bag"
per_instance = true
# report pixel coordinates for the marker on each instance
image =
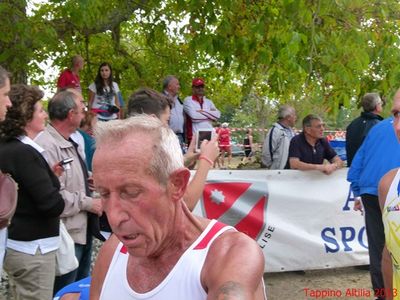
(33, 235)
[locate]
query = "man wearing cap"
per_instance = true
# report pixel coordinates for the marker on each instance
(200, 110)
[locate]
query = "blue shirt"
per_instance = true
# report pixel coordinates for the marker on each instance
(378, 154)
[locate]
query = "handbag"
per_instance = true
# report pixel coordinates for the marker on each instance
(66, 260)
(8, 199)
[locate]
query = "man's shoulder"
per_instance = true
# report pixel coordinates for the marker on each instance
(233, 248)
(354, 123)
(298, 138)
(46, 137)
(187, 99)
(66, 72)
(381, 128)
(50, 138)
(13, 148)
(208, 100)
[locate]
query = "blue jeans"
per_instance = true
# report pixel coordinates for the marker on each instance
(84, 255)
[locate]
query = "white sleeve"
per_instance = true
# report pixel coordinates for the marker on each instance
(115, 87)
(192, 112)
(92, 87)
(213, 113)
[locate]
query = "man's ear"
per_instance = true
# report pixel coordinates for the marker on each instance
(178, 182)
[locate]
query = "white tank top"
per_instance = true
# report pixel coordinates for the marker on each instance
(391, 223)
(183, 281)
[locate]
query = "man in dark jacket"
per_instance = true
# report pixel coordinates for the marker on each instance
(359, 127)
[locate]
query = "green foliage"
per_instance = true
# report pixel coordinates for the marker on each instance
(320, 56)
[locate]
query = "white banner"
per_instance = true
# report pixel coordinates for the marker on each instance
(301, 220)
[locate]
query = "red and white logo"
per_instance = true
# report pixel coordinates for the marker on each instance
(239, 204)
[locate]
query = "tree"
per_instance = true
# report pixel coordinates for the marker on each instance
(314, 54)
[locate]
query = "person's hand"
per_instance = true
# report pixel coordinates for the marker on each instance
(97, 206)
(358, 205)
(190, 155)
(210, 149)
(57, 169)
(91, 184)
(329, 168)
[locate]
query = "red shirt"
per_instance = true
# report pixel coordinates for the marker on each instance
(68, 79)
(224, 136)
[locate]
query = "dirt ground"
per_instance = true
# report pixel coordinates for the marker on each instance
(336, 282)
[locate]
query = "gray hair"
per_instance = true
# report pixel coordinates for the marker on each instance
(167, 154)
(285, 111)
(166, 81)
(60, 105)
(370, 101)
(309, 118)
(4, 75)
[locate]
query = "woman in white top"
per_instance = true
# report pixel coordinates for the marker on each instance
(103, 94)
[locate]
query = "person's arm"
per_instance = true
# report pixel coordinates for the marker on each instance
(265, 155)
(194, 114)
(61, 82)
(354, 173)
(34, 178)
(212, 112)
(338, 162)
(101, 266)
(208, 152)
(331, 155)
(75, 201)
(234, 268)
(91, 97)
(251, 142)
(297, 164)
(116, 100)
(387, 271)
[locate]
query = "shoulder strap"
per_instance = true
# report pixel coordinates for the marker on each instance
(216, 230)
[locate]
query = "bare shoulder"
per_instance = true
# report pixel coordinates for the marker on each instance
(234, 268)
(384, 185)
(101, 266)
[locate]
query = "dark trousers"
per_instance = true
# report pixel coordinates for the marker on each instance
(83, 253)
(376, 238)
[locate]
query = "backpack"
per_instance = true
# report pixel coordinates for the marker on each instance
(8, 199)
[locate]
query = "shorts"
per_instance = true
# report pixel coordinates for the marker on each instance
(225, 148)
(247, 152)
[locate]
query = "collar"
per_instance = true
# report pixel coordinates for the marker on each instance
(61, 141)
(28, 141)
(370, 115)
(198, 99)
(282, 125)
(318, 141)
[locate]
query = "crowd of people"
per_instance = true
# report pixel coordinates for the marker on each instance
(120, 174)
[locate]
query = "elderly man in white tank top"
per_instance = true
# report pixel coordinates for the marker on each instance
(160, 250)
